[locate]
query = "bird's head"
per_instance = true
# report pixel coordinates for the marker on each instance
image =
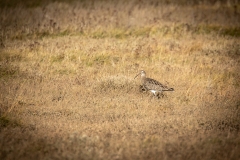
(142, 72)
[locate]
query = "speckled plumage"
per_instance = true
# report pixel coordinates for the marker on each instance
(152, 85)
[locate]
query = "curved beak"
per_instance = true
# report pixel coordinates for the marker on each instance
(137, 75)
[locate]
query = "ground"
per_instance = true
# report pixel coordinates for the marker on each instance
(67, 87)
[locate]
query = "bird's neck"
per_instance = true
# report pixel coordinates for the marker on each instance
(143, 78)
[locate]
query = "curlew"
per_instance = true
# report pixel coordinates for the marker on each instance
(152, 85)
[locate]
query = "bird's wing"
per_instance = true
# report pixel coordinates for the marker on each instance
(152, 84)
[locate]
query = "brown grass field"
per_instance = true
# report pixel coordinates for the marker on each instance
(67, 87)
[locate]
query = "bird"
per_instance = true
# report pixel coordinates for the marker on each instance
(152, 85)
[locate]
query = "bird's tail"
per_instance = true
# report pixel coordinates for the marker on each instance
(170, 89)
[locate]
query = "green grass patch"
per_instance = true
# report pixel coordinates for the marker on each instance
(97, 60)
(57, 58)
(177, 30)
(225, 31)
(234, 32)
(7, 71)
(10, 57)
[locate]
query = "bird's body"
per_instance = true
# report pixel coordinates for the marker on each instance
(152, 85)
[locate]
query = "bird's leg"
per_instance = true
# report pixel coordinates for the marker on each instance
(142, 88)
(155, 93)
(160, 94)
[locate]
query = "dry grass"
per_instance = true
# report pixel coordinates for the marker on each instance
(67, 87)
